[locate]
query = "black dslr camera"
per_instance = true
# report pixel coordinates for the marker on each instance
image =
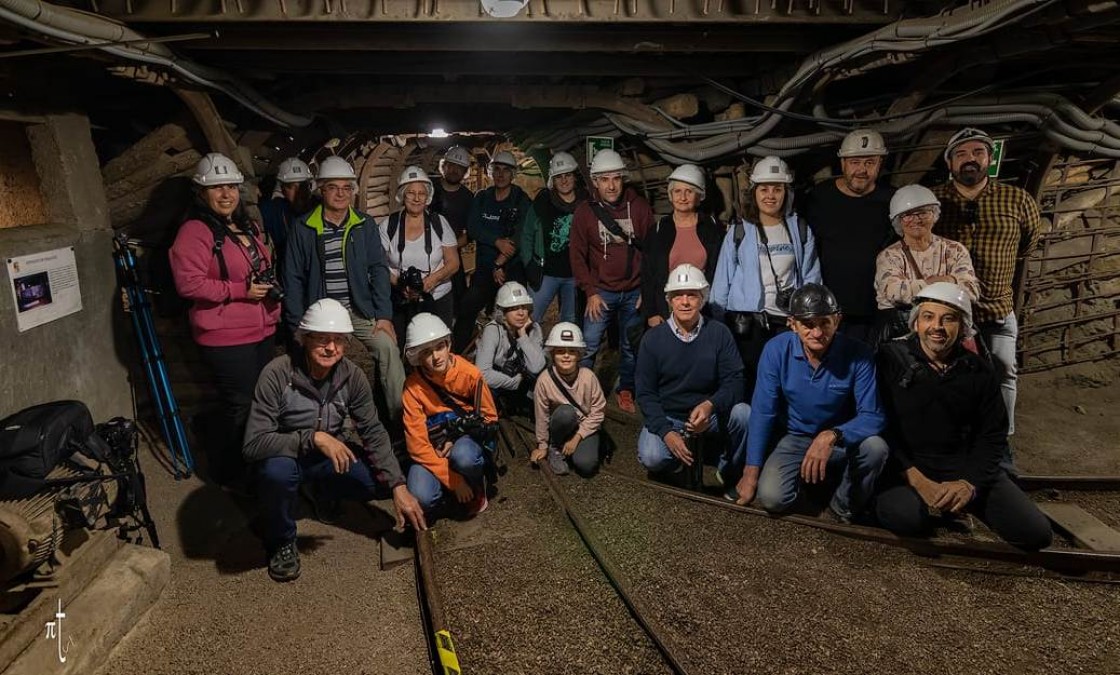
(471, 424)
(412, 279)
(508, 219)
(782, 298)
(514, 365)
(267, 276)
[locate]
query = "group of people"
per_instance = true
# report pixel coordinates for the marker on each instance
(758, 357)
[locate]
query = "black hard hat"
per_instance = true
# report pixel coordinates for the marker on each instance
(812, 300)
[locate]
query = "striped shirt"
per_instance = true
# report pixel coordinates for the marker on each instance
(334, 268)
(1000, 227)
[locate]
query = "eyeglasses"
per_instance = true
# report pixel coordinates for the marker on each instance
(922, 214)
(324, 339)
(341, 189)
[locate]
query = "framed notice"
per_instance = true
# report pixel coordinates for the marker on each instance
(997, 158)
(44, 287)
(597, 143)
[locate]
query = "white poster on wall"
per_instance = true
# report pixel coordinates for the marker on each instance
(44, 287)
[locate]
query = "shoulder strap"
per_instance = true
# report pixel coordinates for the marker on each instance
(911, 261)
(450, 400)
(912, 367)
(802, 230)
(612, 225)
(564, 390)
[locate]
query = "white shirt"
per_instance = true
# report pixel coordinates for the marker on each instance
(414, 254)
(781, 253)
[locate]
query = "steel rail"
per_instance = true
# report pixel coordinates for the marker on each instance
(1071, 482)
(441, 649)
(1071, 561)
(638, 609)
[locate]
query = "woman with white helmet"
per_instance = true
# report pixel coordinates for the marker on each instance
(688, 235)
(545, 238)
(569, 405)
(766, 255)
(221, 263)
(449, 415)
(510, 352)
(922, 258)
(422, 252)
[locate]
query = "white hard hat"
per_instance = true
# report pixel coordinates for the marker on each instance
(565, 334)
(513, 294)
(326, 316)
(946, 293)
(457, 154)
(964, 136)
(293, 170)
(414, 174)
(687, 277)
(689, 174)
(217, 169)
(908, 198)
(504, 157)
(771, 170)
(423, 330)
(503, 9)
(607, 161)
(561, 163)
(335, 167)
(862, 143)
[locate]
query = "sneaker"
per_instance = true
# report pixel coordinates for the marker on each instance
(557, 462)
(283, 565)
(626, 402)
(478, 504)
(833, 516)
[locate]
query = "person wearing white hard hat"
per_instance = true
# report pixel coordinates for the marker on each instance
(999, 224)
(449, 417)
(850, 216)
(606, 242)
(569, 405)
(222, 263)
(546, 236)
(335, 252)
(453, 201)
(766, 255)
(921, 258)
(495, 222)
(947, 429)
(422, 252)
(296, 437)
(690, 382)
(688, 235)
(290, 199)
(510, 352)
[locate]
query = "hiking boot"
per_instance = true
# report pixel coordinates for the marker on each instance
(327, 510)
(626, 402)
(283, 565)
(478, 504)
(557, 462)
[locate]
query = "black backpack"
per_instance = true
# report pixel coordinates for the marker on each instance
(432, 223)
(35, 440)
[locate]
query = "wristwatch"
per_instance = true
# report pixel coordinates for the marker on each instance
(837, 442)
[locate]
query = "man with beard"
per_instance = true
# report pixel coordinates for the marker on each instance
(452, 200)
(999, 225)
(850, 217)
(290, 200)
(606, 241)
(947, 429)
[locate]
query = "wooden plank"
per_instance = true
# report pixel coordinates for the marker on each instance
(1085, 528)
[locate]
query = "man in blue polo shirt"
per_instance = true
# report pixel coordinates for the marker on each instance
(816, 389)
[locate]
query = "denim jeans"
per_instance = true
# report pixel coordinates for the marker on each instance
(388, 369)
(565, 287)
(278, 481)
(620, 305)
(1001, 336)
(466, 459)
(780, 482)
(655, 456)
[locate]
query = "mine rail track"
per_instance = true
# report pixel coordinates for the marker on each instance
(1071, 482)
(442, 657)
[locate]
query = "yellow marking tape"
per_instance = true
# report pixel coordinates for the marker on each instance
(447, 656)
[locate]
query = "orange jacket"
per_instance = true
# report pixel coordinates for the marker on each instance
(420, 401)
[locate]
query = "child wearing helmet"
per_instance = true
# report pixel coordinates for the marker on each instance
(448, 416)
(510, 352)
(570, 406)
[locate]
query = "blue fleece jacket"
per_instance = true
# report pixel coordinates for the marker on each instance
(841, 393)
(737, 286)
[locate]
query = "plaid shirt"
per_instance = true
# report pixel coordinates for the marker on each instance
(999, 228)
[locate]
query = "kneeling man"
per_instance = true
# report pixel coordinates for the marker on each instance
(947, 428)
(689, 379)
(295, 435)
(816, 392)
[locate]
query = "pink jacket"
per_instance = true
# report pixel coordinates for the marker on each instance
(221, 315)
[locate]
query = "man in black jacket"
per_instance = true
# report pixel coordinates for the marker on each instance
(947, 428)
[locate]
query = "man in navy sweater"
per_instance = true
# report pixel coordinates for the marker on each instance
(689, 378)
(816, 392)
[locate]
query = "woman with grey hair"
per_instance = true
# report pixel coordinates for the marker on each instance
(511, 349)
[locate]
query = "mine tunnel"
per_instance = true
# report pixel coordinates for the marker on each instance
(110, 109)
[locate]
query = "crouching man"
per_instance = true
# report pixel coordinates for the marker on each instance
(294, 435)
(947, 428)
(816, 391)
(449, 416)
(690, 380)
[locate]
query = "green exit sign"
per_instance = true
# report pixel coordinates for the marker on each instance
(597, 143)
(997, 156)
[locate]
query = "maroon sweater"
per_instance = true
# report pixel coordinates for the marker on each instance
(601, 261)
